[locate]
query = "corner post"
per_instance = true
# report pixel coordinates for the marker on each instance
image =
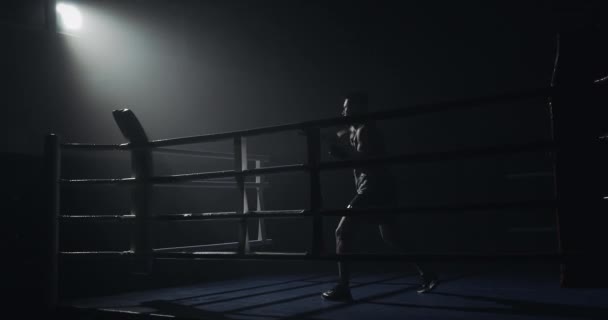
(260, 203)
(142, 168)
(52, 160)
(313, 148)
(240, 164)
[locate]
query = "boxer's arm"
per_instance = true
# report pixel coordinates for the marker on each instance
(359, 151)
(339, 145)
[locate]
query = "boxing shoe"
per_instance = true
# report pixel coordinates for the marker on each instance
(429, 282)
(340, 292)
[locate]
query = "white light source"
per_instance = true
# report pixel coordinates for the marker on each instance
(70, 16)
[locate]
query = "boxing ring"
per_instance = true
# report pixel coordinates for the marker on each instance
(143, 255)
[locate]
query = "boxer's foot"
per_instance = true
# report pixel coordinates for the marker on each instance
(338, 293)
(429, 282)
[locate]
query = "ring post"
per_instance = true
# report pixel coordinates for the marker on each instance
(142, 167)
(259, 199)
(52, 156)
(240, 164)
(579, 120)
(313, 146)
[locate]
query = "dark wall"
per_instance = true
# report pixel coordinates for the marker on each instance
(190, 68)
(24, 234)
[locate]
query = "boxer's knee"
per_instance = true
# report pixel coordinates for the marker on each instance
(343, 236)
(343, 227)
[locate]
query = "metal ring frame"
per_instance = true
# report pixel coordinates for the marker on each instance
(141, 148)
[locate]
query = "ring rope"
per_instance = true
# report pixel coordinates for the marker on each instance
(317, 166)
(461, 208)
(431, 257)
(329, 165)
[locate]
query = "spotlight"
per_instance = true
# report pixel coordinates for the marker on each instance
(69, 15)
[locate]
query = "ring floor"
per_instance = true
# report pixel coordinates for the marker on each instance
(486, 293)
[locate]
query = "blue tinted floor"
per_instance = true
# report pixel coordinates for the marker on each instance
(505, 294)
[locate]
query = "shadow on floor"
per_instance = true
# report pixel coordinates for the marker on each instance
(194, 311)
(296, 299)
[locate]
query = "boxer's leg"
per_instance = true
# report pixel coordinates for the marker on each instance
(344, 245)
(390, 236)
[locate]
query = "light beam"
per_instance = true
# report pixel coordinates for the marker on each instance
(70, 16)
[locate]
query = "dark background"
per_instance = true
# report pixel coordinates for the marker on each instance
(200, 67)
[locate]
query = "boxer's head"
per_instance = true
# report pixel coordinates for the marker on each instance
(354, 104)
